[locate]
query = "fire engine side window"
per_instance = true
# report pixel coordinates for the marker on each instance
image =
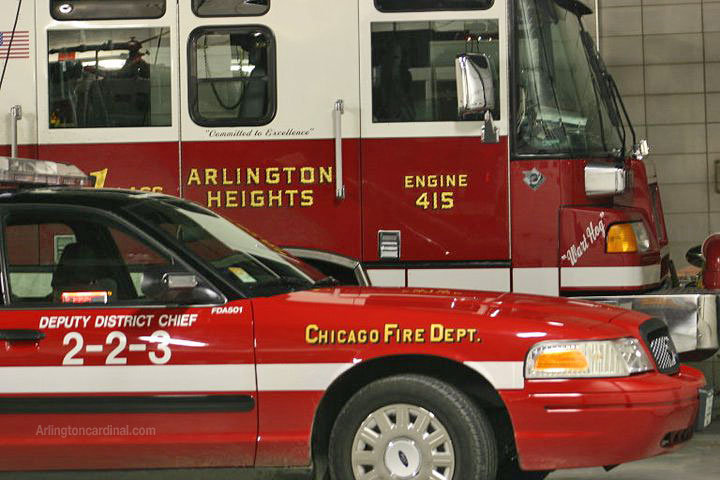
(118, 77)
(232, 76)
(230, 8)
(58, 257)
(106, 9)
(427, 5)
(413, 67)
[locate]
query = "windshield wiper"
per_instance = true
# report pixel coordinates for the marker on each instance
(605, 87)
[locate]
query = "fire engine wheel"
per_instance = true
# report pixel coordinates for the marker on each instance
(412, 427)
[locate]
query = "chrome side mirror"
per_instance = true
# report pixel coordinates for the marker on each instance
(476, 91)
(475, 87)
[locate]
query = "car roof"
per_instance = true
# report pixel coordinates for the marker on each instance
(104, 199)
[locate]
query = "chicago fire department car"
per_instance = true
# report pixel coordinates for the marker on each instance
(141, 331)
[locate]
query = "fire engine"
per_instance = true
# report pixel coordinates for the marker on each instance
(148, 334)
(475, 144)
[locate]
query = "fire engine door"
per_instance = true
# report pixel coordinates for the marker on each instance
(107, 90)
(270, 118)
(17, 97)
(426, 174)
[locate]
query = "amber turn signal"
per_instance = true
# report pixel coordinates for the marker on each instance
(572, 360)
(621, 239)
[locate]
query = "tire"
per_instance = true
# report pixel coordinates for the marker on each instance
(411, 426)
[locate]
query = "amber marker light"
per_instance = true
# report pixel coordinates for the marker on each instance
(621, 239)
(571, 360)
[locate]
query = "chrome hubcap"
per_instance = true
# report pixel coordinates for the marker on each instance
(402, 442)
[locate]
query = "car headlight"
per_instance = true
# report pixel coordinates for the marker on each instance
(603, 358)
(628, 238)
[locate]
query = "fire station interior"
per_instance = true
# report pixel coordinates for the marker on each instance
(139, 95)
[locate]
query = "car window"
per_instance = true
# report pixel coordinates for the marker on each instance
(69, 258)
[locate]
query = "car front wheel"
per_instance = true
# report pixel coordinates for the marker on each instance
(409, 427)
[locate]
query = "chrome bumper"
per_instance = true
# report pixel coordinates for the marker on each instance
(691, 317)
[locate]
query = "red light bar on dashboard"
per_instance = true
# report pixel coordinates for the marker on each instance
(21, 171)
(85, 297)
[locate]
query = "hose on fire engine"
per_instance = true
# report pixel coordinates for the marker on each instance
(12, 37)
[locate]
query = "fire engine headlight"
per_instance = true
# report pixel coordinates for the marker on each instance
(592, 359)
(628, 238)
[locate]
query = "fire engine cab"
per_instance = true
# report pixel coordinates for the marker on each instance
(474, 144)
(145, 333)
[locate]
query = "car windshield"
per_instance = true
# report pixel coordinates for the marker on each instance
(563, 106)
(253, 265)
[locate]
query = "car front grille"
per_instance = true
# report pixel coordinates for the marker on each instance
(663, 351)
(661, 345)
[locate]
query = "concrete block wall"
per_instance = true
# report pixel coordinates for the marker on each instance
(665, 56)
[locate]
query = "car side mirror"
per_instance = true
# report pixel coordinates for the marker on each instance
(176, 287)
(476, 91)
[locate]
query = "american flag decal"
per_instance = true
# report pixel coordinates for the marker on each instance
(18, 48)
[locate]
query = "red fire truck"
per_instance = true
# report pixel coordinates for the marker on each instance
(477, 144)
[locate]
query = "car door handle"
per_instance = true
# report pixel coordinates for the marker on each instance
(21, 335)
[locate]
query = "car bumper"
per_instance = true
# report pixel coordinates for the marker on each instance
(600, 422)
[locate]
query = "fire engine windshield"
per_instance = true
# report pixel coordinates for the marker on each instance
(563, 106)
(254, 266)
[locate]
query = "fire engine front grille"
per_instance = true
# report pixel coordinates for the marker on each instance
(661, 346)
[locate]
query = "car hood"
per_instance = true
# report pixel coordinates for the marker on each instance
(523, 311)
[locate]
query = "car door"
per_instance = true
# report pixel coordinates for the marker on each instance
(102, 367)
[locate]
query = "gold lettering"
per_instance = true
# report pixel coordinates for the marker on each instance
(306, 198)
(214, 199)
(463, 181)
(275, 198)
(211, 176)
(288, 172)
(326, 174)
(390, 329)
(272, 175)
(311, 330)
(253, 176)
(226, 180)
(436, 333)
(307, 175)
(291, 194)
(408, 181)
(257, 199)
(194, 177)
(231, 197)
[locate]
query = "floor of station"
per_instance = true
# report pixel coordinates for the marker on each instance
(698, 460)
